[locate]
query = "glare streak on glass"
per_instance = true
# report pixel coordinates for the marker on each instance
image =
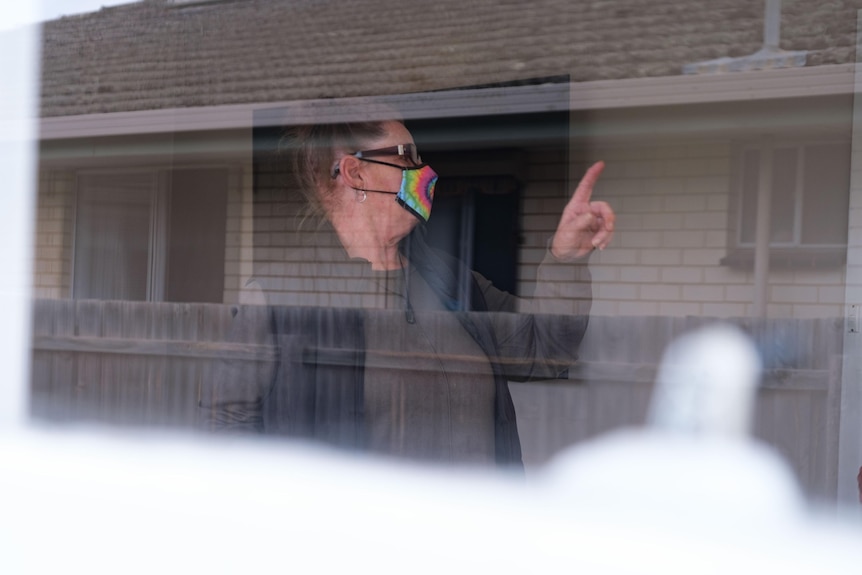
(18, 104)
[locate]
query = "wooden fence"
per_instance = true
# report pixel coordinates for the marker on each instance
(144, 364)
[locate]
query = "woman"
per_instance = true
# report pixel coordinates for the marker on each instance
(422, 377)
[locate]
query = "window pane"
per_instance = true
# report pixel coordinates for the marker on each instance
(178, 119)
(197, 236)
(826, 193)
(783, 195)
(750, 178)
(112, 239)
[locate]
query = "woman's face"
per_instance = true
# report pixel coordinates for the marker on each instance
(388, 214)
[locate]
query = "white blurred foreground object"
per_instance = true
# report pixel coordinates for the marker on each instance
(660, 502)
(695, 463)
(695, 475)
(706, 384)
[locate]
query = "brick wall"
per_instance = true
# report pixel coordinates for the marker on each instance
(292, 256)
(53, 242)
(672, 205)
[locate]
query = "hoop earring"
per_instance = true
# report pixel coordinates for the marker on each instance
(361, 199)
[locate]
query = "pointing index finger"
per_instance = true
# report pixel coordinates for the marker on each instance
(584, 191)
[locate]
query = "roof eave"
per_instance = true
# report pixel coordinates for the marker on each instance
(827, 80)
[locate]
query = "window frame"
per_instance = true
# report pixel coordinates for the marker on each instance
(160, 216)
(782, 254)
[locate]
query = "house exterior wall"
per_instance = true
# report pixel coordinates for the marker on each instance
(239, 250)
(54, 228)
(673, 215)
(64, 161)
(286, 248)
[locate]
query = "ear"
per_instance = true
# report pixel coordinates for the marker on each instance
(350, 169)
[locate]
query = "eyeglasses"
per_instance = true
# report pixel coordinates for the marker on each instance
(407, 151)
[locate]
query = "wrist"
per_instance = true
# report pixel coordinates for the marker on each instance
(574, 256)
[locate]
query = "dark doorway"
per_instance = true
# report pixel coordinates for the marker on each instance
(476, 219)
(484, 168)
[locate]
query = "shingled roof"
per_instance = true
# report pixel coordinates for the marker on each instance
(156, 54)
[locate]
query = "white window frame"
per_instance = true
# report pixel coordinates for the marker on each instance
(800, 144)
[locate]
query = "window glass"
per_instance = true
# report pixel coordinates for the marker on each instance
(113, 240)
(826, 191)
(784, 194)
(151, 236)
(196, 236)
(750, 185)
(810, 186)
(234, 234)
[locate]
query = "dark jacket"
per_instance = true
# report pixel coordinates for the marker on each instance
(316, 385)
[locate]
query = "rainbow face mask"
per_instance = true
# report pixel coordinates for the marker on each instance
(417, 190)
(417, 186)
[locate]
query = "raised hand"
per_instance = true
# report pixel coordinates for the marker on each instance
(585, 225)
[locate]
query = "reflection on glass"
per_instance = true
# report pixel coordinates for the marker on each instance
(426, 379)
(182, 281)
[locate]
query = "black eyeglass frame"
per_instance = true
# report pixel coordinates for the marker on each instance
(408, 151)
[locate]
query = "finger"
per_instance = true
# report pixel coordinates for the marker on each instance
(585, 222)
(584, 191)
(605, 220)
(602, 238)
(605, 212)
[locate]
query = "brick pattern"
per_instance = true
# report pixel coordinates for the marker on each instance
(292, 255)
(672, 231)
(53, 241)
(672, 205)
